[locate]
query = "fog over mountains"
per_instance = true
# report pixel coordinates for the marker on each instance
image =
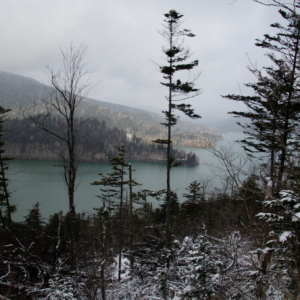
(107, 125)
(17, 91)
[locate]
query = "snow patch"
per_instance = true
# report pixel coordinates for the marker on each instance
(284, 236)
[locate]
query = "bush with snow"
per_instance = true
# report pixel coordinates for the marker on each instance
(283, 217)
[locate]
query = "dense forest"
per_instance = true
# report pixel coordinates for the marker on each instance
(19, 92)
(95, 139)
(238, 240)
(36, 250)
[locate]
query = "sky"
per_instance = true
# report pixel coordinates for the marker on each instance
(125, 47)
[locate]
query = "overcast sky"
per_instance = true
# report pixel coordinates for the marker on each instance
(123, 41)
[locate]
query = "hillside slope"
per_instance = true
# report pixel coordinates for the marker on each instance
(17, 91)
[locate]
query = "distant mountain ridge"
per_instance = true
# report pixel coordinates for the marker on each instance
(18, 91)
(117, 107)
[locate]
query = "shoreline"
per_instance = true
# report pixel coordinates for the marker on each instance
(106, 161)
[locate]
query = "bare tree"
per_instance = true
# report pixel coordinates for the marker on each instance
(290, 5)
(68, 88)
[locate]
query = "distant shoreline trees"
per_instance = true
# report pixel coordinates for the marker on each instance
(26, 141)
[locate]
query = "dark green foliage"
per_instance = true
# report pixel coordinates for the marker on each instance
(283, 240)
(248, 200)
(195, 194)
(175, 55)
(34, 218)
(251, 191)
(160, 213)
(95, 140)
(47, 246)
(116, 180)
(194, 206)
(274, 109)
(5, 200)
(202, 267)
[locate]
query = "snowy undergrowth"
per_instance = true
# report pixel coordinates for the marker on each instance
(200, 268)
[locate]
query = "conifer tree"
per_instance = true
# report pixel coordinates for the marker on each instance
(195, 193)
(178, 91)
(4, 193)
(283, 217)
(191, 208)
(34, 218)
(173, 206)
(201, 270)
(116, 180)
(274, 110)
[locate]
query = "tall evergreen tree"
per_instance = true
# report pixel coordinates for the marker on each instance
(5, 202)
(274, 110)
(176, 55)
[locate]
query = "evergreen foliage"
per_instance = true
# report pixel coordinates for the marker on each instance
(274, 110)
(195, 194)
(116, 179)
(176, 56)
(34, 218)
(5, 199)
(95, 139)
(283, 217)
(203, 266)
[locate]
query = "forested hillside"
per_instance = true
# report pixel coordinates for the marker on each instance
(17, 91)
(95, 138)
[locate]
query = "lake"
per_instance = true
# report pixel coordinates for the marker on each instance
(40, 181)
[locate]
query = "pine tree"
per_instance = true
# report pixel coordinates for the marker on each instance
(274, 110)
(116, 180)
(5, 202)
(191, 208)
(176, 55)
(34, 218)
(202, 268)
(161, 212)
(195, 194)
(283, 245)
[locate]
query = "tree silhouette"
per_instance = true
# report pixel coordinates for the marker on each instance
(178, 91)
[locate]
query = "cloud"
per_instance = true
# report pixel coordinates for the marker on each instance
(123, 39)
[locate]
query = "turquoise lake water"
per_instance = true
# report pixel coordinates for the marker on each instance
(40, 181)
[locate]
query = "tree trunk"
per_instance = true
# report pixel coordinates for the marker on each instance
(131, 218)
(120, 228)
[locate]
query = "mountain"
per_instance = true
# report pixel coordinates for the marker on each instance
(18, 91)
